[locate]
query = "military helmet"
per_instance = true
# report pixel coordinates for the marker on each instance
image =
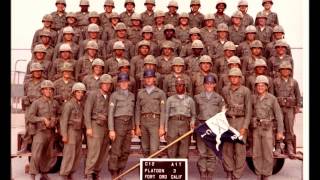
(261, 15)
(251, 29)
(197, 44)
(65, 47)
(264, 1)
(66, 66)
(159, 13)
(256, 44)
(35, 66)
(61, 2)
(71, 14)
(243, 3)
(177, 61)
(180, 81)
(237, 14)
(84, 3)
(105, 78)
(221, 2)
(194, 30)
(120, 26)
(45, 33)
(234, 60)
(68, 30)
(136, 16)
(285, 65)
(143, 43)
(118, 45)
(222, 27)
(147, 29)
(150, 2)
(109, 3)
(262, 79)
(114, 15)
(39, 48)
(229, 45)
(78, 86)
(173, 3)
(167, 44)
(92, 45)
(93, 14)
(150, 59)
(281, 42)
(47, 84)
(169, 26)
(209, 79)
(123, 77)
(235, 72)
(278, 28)
(97, 62)
(260, 62)
(209, 16)
(47, 17)
(149, 73)
(183, 15)
(195, 2)
(205, 59)
(93, 28)
(129, 1)
(123, 63)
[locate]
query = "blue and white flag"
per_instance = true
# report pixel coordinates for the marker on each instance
(215, 131)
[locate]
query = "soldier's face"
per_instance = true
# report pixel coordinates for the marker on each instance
(84, 8)
(65, 54)
(267, 5)
(68, 36)
(236, 20)
(278, 35)
(149, 81)
(172, 9)
(150, 66)
(40, 55)
(285, 72)
(71, 20)
(228, 53)
(222, 34)
(136, 22)
(209, 87)
(105, 87)
(169, 33)
(262, 21)
(220, 8)
(122, 33)
(195, 7)
(184, 21)
(98, 70)
(93, 35)
(233, 65)
(119, 52)
(45, 40)
(37, 74)
(78, 95)
(195, 37)
(47, 92)
(67, 74)
(124, 85)
(149, 6)
(235, 80)
(261, 88)
(180, 88)
(92, 52)
(125, 69)
(167, 51)
(114, 21)
(144, 50)
(47, 24)
(205, 66)
(178, 69)
(256, 51)
(242, 8)
(108, 9)
(160, 20)
(281, 50)
(60, 7)
(197, 51)
(251, 36)
(93, 20)
(209, 23)
(147, 36)
(260, 69)
(129, 7)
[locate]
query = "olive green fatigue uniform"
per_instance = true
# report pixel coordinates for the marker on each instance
(91, 82)
(247, 66)
(82, 19)
(265, 110)
(196, 19)
(158, 33)
(187, 51)
(49, 52)
(224, 81)
(134, 35)
(140, 81)
(120, 120)
(272, 19)
(125, 17)
(264, 35)
(132, 84)
(77, 36)
(36, 37)
(43, 155)
(221, 66)
(154, 49)
(105, 20)
(111, 66)
(243, 49)
(85, 33)
(177, 45)
(147, 19)
(59, 21)
(221, 19)
(107, 34)
(237, 35)
(62, 91)
(239, 113)
(207, 106)
(270, 50)
(171, 19)
(247, 20)
(71, 121)
(289, 97)
(46, 64)
(215, 49)
(180, 112)
(209, 35)
(164, 66)
(75, 48)
(274, 63)
(128, 52)
(101, 48)
(96, 117)
(83, 67)
(182, 33)
(169, 84)
(198, 81)
(150, 115)
(56, 73)
(136, 65)
(192, 63)
(250, 83)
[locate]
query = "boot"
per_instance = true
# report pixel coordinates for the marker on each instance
(259, 177)
(44, 177)
(32, 176)
(229, 175)
(89, 177)
(203, 175)
(210, 175)
(24, 148)
(265, 177)
(290, 150)
(277, 152)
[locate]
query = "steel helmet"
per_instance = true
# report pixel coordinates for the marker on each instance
(35, 66)
(65, 47)
(78, 86)
(256, 44)
(197, 44)
(251, 29)
(229, 45)
(66, 66)
(68, 30)
(46, 84)
(262, 79)
(97, 62)
(235, 72)
(40, 48)
(205, 59)
(92, 45)
(93, 28)
(84, 3)
(234, 60)
(118, 45)
(260, 62)
(105, 78)
(177, 61)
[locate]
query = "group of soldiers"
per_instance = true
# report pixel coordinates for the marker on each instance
(103, 78)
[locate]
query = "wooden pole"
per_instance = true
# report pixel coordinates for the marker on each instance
(156, 153)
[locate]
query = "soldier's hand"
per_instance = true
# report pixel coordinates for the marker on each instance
(89, 132)
(161, 131)
(243, 131)
(112, 135)
(65, 139)
(280, 136)
(46, 121)
(132, 133)
(138, 131)
(192, 126)
(297, 110)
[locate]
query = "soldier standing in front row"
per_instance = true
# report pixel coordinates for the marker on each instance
(208, 103)
(238, 101)
(121, 125)
(150, 114)
(71, 122)
(180, 118)
(265, 109)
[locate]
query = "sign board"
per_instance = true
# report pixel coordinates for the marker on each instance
(163, 168)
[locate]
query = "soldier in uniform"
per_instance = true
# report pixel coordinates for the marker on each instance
(91, 81)
(196, 17)
(59, 16)
(150, 114)
(169, 35)
(105, 17)
(244, 49)
(47, 21)
(72, 21)
(169, 82)
(71, 121)
(171, 16)
(83, 14)
(147, 35)
(237, 29)
(209, 30)
(192, 61)
(220, 16)
(150, 63)
(272, 17)
(194, 35)
(43, 114)
(287, 91)
(180, 118)
(265, 109)
(208, 103)
(243, 7)
(158, 26)
(221, 64)
(182, 31)
(45, 40)
(134, 31)
(109, 30)
(96, 123)
(137, 62)
(264, 32)
(124, 67)
(93, 18)
(111, 65)
(238, 101)
(125, 16)
(147, 17)
(165, 60)
(121, 125)
(83, 66)
(215, 48)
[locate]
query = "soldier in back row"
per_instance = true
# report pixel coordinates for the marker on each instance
(91, 81)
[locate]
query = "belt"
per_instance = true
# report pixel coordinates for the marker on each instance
(179, 117)
(150, 115)
(234, 116)
(125, 118)
(264, 120)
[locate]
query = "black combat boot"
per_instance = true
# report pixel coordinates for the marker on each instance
(203, 175)
(290, 150)
(278, 151)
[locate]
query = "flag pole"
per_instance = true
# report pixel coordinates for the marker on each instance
(156, 153)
